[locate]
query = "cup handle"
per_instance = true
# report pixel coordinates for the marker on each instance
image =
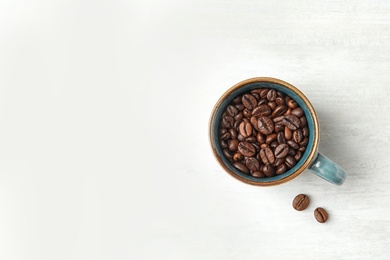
(328, 170)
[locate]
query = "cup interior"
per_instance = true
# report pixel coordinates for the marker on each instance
(216, 121)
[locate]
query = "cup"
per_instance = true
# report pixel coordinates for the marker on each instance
(311, 158)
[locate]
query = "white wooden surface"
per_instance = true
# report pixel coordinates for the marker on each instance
(104, 112)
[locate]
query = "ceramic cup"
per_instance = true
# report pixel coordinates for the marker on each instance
(311, 158)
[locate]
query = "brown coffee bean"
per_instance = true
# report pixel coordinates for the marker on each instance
(278, 161)
(252, 164)
(262, 110)
(223, 131)
(301, 202)
(278, 119)
(281, 150)
(267, 155)
(240, 138)
(270, 138)
(272, 105)
(245, 129)
(263, 93)
(227, 121)
(241, 167)
(237, 100)
(274, 144)
(225, 136)
(240, 107)
(258, 174)
(256, 91)
(247, 113)
(298, 155)
(281, 169)
(279, 110)
(304, 142)
(303, 121)
(301, 148)
(236, 124)
(269, 170)
(257, 146)
(256, 95)
(321, 215)
(239, 116)
(262, 146)
(246, 149)
(227, 154)
(292, 152)
(233, 133)
(293, 144)
(287, 133)
(290, 161)
(260, 138)
(292, 104)
(249, 101)
(265, 125)
(279, 101)
(280, 94)
(305, 132)
(251, 139)
(292, 122)
(237, 157)
(279, 128)
(232, 110)
(297, 112)
(233, 145)
(298, 136)
(288, 112)
(262, 101)
(224, 144)
(280, 138)
(271, 95)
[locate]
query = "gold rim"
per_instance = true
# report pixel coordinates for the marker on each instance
(313, 152)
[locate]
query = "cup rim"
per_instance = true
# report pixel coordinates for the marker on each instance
(313, 152)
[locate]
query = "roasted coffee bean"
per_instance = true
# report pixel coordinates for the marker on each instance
(232, 110)
(240, 107)
(279, 110)
(227, 154)
(292, 104)
(233, 145)
(305, 132)
(280, 138)
(292, 152)
(292, 122)
(238, 157)
(290, 161)
(281, 169)
(262, 110)
(267, 155)
(240, 138)
(262, 101)
(260, 138)
(224, 144)
(272, 105)
(246, 149)
(279, 128)
(278, 161)
(280, 94)
(225, 136)
(271, 95)
(263, 93)
(270, 138)
(239, 116)
(241, 167)
(278, 119)
(262, 146)
(254, 121)
(251, 139)
(274, 144)
(237, 124)
(245, 129)
(257, 96)
(301, 148)
(293, 144)
(222, 131)
(321, 215)
(256, 91)
(247, 113)
(298, 136)
(288, 112)
(279, 101)
(265, 124)
(258, 174)
(227, 121)
(233, 133)
(281, 150)
(237, 100)
(298, 155)
(304, 142)
(301, 202)
(297, 112)
(252, 164)
(269, 170)
(257, 146)
(287, 133)
(249, 101)
(303, 121)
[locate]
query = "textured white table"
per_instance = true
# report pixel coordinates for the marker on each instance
(104, 112)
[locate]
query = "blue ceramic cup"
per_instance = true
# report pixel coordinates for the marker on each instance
(311, 158)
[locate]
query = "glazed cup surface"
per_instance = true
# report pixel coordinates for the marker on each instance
(265, 82)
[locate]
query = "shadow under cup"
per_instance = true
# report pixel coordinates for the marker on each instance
(312, 124)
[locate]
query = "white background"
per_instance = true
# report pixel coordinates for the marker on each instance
(104, 109)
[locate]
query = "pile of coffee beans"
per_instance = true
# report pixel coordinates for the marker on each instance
(263, 132)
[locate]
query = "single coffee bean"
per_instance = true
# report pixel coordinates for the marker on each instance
(233, 145)
(262, 110)
(279, 101)
(292, 122)
(227, 154)
(224, 144)
(270, 138)
(240, 138)
(298, 136)
(223, 131)
(292, 152)
(321, 215)
(240, 107)
(233, 133)
(237, 157)
(288, 112)
(274, 144)
(262, 146)
(246, 149)
(252, 164)
(271, 95)
(305, 132)
(298, 155)
(256, 91)
(280, 94)
(262, 101)
(225, 136)
(268, 170)
(278, 161)
(303, 121)
(251, 139)
(257, 146)
(236, 124)
(282, 168)
(232, 111)
(249, 101)
(241, 167)
(237, 100)
(292, 104)
(279, 128)
(287, 133)
(267, 155)
(263, 93)
(290, 161)
(301, 148)
(245, 129)
(272, 105)
(301, 202)
(260, 138)
(280, 138)
(258, 174)
(278, 119)
(293, 144)
(279, 110)
(304, 142)
(281, 150)
(297, 112)
(265, 125)
(247, 113)
(257, 96)
(227, 121)
(239, 116)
